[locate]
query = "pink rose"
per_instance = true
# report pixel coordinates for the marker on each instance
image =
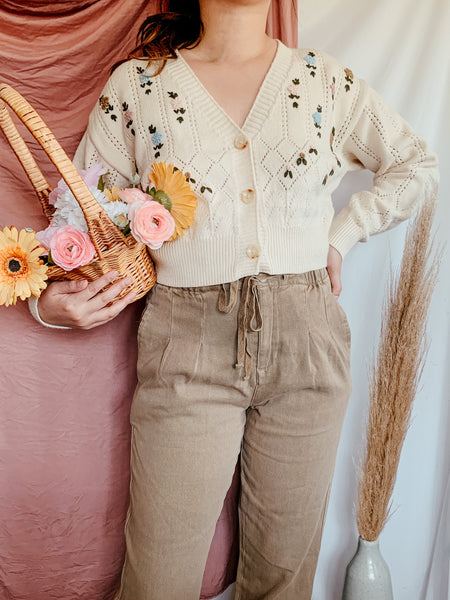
(131, 195)
(150, 223)
(293, 89)
(71, 248)
(44, 237)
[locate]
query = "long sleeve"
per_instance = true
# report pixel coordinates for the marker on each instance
(371, 134)
(110, 136)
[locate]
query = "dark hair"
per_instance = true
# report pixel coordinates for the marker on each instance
(177, 25)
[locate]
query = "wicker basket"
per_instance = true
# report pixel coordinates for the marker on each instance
(113, 249)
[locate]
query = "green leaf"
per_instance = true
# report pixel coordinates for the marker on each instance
(163, 198)
(50, 260)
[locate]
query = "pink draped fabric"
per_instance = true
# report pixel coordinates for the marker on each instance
(283, 22)
(65, 396)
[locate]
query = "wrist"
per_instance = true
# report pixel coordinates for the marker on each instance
(34, 310)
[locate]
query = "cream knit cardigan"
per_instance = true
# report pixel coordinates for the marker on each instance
(264, 190)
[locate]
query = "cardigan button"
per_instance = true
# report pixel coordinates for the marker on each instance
(252, 251)
(240, 142)
(248, 196)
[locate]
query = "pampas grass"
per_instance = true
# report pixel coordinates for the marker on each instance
(395, 374)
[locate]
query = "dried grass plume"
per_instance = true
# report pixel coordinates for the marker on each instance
(395, 374)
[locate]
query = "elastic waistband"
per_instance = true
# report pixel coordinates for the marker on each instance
(309, 278)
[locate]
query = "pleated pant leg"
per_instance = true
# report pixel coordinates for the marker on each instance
(260, 365)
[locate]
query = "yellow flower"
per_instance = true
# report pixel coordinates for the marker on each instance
(22, 272)
(182, 199)
(112, 194)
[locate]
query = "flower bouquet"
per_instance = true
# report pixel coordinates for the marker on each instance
(92, 230)
(159, 214)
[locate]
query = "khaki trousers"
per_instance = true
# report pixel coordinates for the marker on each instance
(259, 366)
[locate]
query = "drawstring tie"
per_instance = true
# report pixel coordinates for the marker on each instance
(249, 315)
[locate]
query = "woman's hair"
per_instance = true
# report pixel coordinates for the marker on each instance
(177, 25)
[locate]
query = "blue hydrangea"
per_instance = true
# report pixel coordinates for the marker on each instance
(157, 138)
(311, 60)
(317, 116)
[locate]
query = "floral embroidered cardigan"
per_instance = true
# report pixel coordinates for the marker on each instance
(264, 190)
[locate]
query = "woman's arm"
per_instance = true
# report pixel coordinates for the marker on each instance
(369, 133)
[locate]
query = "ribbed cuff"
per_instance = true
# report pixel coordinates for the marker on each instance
(344, 233)
(33, 306)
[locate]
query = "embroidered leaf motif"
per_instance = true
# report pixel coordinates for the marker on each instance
(177, 105)
(310, 60)
(301, 160)
(349, 79)
(128, 116)
(293, 90)
(157, 140)
(333, 87)
(317, 116)
(288, 173)
(144, 79)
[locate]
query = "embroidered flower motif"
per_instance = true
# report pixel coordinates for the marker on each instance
(189, 179)
(107, 107)
(301, 160)
(157, 140)
(333, 87)
(317, 116)
(128, 116)
(348, 79)
(145, 80)
(310, 60)
(293, 90)
(177, 105)
(104, 102)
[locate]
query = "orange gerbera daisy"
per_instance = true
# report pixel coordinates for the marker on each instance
(177, 195)
(22, 272)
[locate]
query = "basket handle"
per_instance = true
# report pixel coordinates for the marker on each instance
(33, 122)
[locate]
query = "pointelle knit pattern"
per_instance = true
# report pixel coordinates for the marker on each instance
(264, 190)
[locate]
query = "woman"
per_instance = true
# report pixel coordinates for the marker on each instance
(243, 346)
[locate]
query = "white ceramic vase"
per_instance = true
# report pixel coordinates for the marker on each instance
(367, 576)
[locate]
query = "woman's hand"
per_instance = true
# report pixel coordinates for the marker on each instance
(83, 305)
(334, 264)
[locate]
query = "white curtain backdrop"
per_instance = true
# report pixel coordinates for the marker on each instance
(401, 49)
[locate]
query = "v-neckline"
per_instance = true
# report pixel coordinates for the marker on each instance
(216, 114)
